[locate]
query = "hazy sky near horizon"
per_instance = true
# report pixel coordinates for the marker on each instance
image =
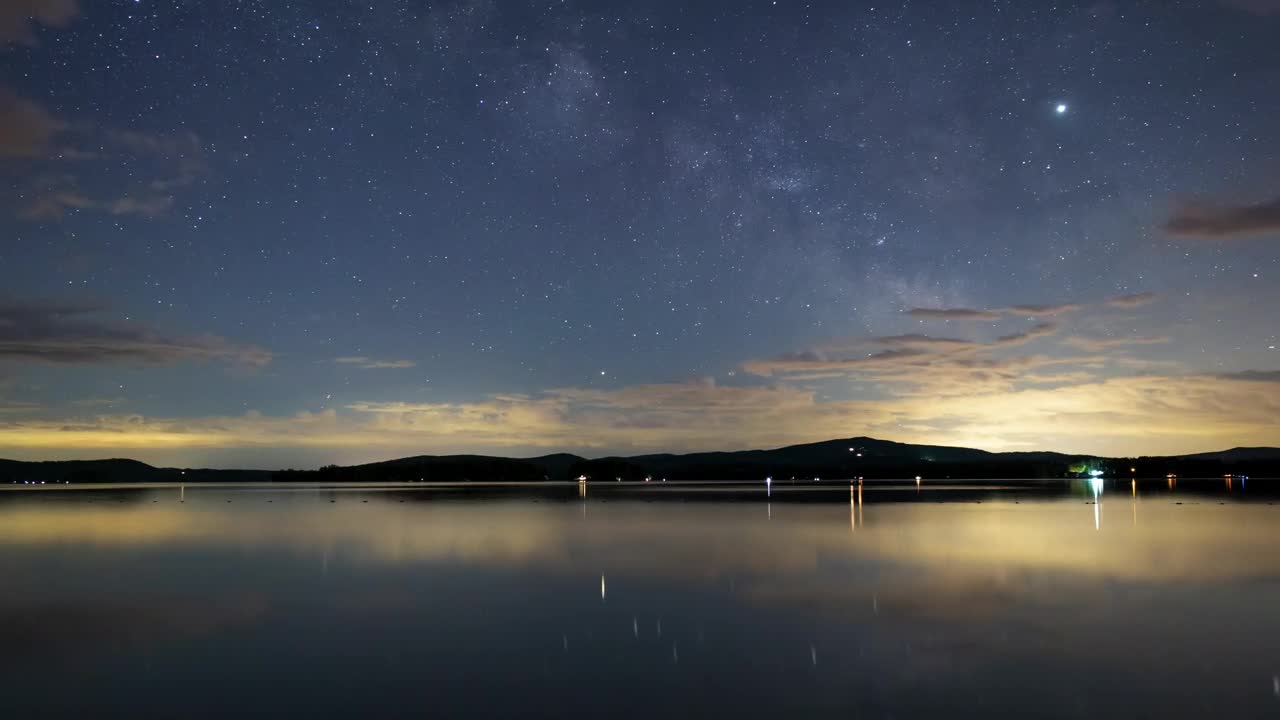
(293, 233)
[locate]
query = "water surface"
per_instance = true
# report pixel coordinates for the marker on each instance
(640, 601)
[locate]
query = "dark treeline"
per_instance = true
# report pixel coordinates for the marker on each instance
(116, 471)
(834, 459)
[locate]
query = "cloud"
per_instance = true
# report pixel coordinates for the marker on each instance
(16, 16)
(1272, 376)
(150, 206)
(1024, 310)
(1132, 301)
(15, 406)
(1047, 310)
(818, 361)
(1096, 344)
(367, 363)
(1116, 415)
(72, 333)
(56, 204)
(1255, 7)
(1224, 222)
(26, 129)
(916, 364)
(1036, 331)
(918, 340)
(953, 314)
(159, 165)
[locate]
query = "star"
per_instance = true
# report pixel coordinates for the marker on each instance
(1061, 109)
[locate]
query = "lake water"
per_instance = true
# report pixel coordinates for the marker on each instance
(640, 601)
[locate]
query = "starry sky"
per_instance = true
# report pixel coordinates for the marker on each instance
(289, 233)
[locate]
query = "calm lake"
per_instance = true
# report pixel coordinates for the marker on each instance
(656, 600)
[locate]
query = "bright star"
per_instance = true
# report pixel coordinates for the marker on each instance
(1062, 108)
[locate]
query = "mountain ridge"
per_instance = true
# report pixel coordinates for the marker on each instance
(849, 457)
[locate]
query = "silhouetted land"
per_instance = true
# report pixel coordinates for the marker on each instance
(833, 459)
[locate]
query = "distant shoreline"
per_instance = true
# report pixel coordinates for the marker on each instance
(837, 460)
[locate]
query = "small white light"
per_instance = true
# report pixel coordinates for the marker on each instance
(1062, 108)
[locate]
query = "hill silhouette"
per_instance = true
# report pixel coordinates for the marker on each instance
(834, 459)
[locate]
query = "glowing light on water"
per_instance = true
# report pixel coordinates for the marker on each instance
(853, 509)
(1096, 483)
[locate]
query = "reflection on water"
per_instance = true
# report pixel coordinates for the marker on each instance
(926, 600)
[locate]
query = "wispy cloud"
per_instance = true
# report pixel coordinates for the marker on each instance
(75, 333)
(1036, 331)
(26, 129)
(1225, 222)
(1272, 376)
(368, 363)
(17, 16)
(1028, 310)
(1098, 344)
(954, 314)
(54, 149)
(56, 204)
(919, 340)
(1134, 300)
(914, 368)
(1043, 310)
(165, 164)
(1256, 7)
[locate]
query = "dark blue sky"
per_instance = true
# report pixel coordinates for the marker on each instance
(295, 232)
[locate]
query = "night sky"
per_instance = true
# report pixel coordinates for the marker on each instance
(288, 233)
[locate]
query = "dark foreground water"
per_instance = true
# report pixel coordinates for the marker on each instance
(652, 601)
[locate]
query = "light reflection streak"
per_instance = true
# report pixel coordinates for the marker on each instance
(860, 522)
(853, 508)
(1096, 484)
